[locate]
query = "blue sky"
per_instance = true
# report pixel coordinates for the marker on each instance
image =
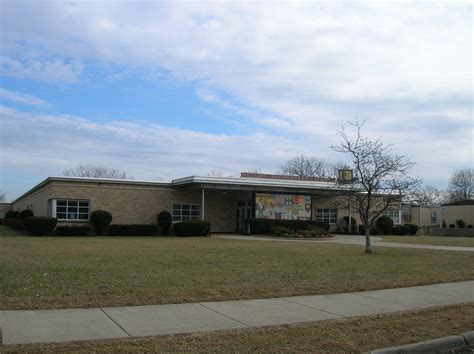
(169, 89)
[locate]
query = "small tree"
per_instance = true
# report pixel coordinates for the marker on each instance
(382, 178)
(165, 221)
(310, 166)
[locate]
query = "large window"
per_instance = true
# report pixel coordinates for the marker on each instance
(71, 209)
(393, 214)
(183, 212)
(327, 215)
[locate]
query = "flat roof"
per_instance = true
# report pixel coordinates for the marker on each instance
(209, 182)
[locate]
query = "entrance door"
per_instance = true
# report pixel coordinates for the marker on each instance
(243, 211)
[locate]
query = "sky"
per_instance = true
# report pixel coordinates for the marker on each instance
(163, 90)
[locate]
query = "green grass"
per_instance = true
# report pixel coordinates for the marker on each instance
(432, 240)
(60, 272)
(352, 335)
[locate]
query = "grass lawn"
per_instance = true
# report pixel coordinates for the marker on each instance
(60, 272)
(353, 335)
(432, 240)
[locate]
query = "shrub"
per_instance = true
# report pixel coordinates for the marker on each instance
(133, 230)
(385, 224)
(452, 226)
(402, 230)
(192, 228)
(469, 226)
(72, 230)
(100, 220)
(265, 226)
(27, 213)
(280, 231)
(413, 228)
(40, 225)
(443, 224)
(12, 214)
(460, 223)
(353, 229)
(165, 221)
(14, 223)
(312, 232)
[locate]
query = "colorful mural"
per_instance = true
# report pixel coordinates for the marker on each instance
(282, 206)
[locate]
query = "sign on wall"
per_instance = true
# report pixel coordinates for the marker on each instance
(282, 206)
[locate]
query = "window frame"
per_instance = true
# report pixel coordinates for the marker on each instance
(434, 216)
(327, 212)
(392, 213)
(191, 217)
(54, 209)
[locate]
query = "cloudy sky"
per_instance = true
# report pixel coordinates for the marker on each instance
(169, 89)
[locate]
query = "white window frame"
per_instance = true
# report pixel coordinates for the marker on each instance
(55, 213)
(178, 216)
(324, 215)
(391, 212)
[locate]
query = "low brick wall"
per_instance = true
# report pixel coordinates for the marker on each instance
(455, 232)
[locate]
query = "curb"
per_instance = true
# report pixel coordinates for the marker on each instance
(463, 341)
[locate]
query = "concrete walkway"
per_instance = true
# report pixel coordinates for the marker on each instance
(350, 240)
(20, 327)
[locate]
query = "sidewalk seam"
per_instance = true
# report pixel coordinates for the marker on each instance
(123, 329)
(230, 318)
(313, 308)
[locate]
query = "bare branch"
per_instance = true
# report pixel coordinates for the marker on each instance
(95, 171)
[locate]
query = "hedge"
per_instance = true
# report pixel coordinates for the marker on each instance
(402, 230)
(14, 223)
(40, 225)
(192, 228)
(72, 231)
(133, 230)
(413, 228)
(265, 226)
(375, 231)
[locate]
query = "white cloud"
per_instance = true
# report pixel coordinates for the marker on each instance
(22, 98)
(42, 69)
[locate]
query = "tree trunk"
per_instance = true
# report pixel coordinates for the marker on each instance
(368, 246)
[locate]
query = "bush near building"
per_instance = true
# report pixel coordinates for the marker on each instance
(192, 228)
(72, 231)
(165, 221)
(40, 225)
(385, 224)
(100, 220)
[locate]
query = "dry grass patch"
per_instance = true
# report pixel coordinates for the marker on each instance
(359, 334)
(61, 272)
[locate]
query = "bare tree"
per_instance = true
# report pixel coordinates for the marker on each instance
(95, 171)
(2, 198)
(429, 195)
(215, 173)
(461, 184)
(382, 178)
(309, 166)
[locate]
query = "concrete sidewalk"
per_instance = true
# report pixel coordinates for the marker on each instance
(350, 240)
(20, 327)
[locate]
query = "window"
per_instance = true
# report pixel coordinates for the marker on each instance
(434, 217)
(71, 209)
(183, 212)
(393, 214)
(328, 215)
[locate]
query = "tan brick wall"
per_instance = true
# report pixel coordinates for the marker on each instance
(456, 212)
(425, 216)
(134, 204)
